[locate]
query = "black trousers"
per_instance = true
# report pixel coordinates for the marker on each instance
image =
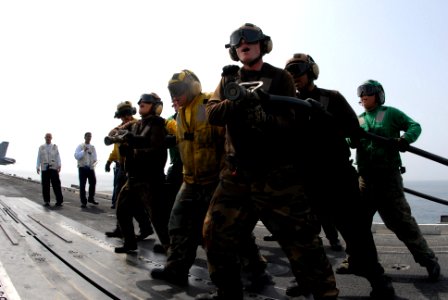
(47, 177)
(84, 175)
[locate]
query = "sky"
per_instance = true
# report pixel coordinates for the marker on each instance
(65, 65)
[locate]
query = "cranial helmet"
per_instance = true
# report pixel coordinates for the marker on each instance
(124, 109)
(251, 34)
(302, 63)
(154, 99)
(372, 87)
(184, 82)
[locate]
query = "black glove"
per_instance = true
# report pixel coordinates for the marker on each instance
(401, 144)
(107, 168)
(256, 115)
(230, 70)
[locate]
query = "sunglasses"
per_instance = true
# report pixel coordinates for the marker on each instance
(249, 35)
(367, 90)
(298, 69)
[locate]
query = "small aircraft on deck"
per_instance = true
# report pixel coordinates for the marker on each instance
(3, 159)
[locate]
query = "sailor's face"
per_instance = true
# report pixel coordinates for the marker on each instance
(301, 82)
(144, 108)
(368, 102)
(248, 52)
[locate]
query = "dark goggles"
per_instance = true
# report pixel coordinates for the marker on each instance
(249, 35)
(367, 90)
(177, 89)
(298, 69)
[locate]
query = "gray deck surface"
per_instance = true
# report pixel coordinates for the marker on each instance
(62, 253)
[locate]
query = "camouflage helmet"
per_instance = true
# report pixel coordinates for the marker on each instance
(124, 109)
(184, 82)
(302, 63)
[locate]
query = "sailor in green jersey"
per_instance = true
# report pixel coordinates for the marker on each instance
(379, 166)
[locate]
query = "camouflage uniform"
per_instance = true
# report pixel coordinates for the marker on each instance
(263, 179)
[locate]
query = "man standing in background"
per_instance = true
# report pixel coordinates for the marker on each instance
(49, 162)
(85, 154)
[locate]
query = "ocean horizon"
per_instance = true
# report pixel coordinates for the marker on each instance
(423, 210)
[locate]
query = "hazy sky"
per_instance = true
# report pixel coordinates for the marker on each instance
(65, 65)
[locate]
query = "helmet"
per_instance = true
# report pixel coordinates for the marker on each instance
(184, 82)
(124, 109)
(251, 34)
(302, 63)
(372, 87)
(154, 99)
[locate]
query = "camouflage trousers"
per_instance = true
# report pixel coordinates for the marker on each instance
(185, 225)
(185, 230)
(384, 193)
(279, 201)
(149, 195)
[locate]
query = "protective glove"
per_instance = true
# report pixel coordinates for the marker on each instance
(230, 70)
(401, 144)
(107, 167)
(255, 115)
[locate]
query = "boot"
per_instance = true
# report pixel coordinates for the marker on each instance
(344, 268)
(433, 269)
(294, 290)
(116, 233)
(170, 276)
(127, 248)
(382, 288)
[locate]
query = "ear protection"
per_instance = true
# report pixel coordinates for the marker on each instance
(155, 100)
(313, 67)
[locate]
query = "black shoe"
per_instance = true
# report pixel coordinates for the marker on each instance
(126, 249)
(47, 204)
(433, 269)
(83, 205)
(158, 248)
(382, 288)
(93, 202)
(116, 233)
(294, 290)
(257, 281)
(58, 204)
(170, 276)
(336, 245)
(144, 234)
(113, 206)
(269, 238)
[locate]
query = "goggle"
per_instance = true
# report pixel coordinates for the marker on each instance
(367, 90)
(298, 69)
(177, 89)
(249, 35)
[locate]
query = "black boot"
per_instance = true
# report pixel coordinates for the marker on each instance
(433, 269)
(170, 276)
(127, 248)
(116, 233)
(382, 288)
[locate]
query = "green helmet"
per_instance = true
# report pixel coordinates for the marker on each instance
(372, 87)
